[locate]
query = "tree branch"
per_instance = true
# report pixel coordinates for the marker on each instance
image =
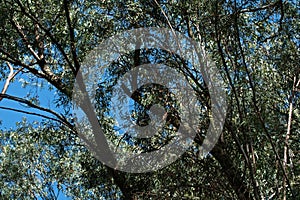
(24, 38)
(287, 136)
(259, 8)
(72, 37)
(9, 78)
(48, 33)
(31, 113)
(32, 105)
(254, 99)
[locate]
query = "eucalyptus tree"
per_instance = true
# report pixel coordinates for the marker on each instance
(256, 49)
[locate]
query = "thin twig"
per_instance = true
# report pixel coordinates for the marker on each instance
(32, 105)
(31, 113)
(259, 8)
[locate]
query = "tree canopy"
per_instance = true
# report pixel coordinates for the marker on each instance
(255, 46)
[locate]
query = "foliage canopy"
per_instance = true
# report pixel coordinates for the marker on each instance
(255, 45)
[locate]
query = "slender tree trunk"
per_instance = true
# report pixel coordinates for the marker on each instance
(286, 142)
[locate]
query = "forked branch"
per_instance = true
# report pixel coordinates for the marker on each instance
(11, 75)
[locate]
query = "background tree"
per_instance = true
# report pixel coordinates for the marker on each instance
(255, 45)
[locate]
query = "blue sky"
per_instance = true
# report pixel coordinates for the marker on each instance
(9, 118)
